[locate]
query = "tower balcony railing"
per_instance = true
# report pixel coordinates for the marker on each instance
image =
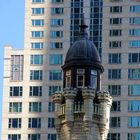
(78, 107)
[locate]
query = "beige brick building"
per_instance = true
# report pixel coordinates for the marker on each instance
(31, 75)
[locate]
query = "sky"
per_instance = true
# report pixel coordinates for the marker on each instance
(11, 32)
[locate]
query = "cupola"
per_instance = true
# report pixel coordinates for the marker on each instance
(82, 66)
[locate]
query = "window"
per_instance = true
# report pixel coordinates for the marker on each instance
(80, 77)
(134, 20)
(35, 106)
(57, 1)
(35, 91)
(134, 74)
(55, 34)
(14, 123)
(53, 89)
(114, 90)
(51, 107)
(37, 34)
(68, 79)
(36, 59)
(133, 105)
(56, 59)
(134, 43)
(115, 32)
(134, 121)
(116, 106)
(51, 122)
(37, 45)
(14, 136)
(52, 137)
(115, 21)
(115, 44)
(34, 137)
(34, 123)
(56, 45)
(55, 75)
(37, 22)
(15, 107)
(114, 58)
(37, 11)
(133, 136)
(114, 74)
(114, 121)
(36, 74)
(56, 22)
(134, 58)
(134, 32)
(135, 9)
(57, 10)
(116, 9)
(17, 67)
(16, 91)
(93, 79)
(134, 90)
(37, 1)
(113, 136)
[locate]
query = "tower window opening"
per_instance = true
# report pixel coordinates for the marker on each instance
(68, 79)
(80, 78)
(93, 79)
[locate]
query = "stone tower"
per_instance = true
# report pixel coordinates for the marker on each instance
(82, 109)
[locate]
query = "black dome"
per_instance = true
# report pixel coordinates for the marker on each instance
(83, 52)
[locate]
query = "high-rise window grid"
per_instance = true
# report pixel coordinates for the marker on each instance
(35, 107)
(57, 10)
(36, 59)
(16, 91)
(134, 43)
(115, 122)
(51, 122)
(134, 20)
(34, 123)
(15, 107)
(53, 89)
(115, 21)
(134, 32)
(116, 9)
(37, 45)
(134, 58)
(55, 75)
(36, 74)
(37, 22)
(37, 34)
(56, 22)
(134, 90)
(51, 107)
(135, 8)
(134, 122)
(34, 137)
(115, 32)
(133, 136)
(114, 90)
(14, 123)
(55, 59)
(56, 45)
(57, 1)
(52, 136)
(14, 136)
(114, 136)
(37, 1)
(35, 91)
(56, 34)
(114, 58)
(115, 44)
(116, 106)
(37, 11)
(134, 74)
(114, 74)
(134, 105)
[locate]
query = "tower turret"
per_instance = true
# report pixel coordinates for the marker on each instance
(82, 113)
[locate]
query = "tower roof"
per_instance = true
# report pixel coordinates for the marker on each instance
(83, 51)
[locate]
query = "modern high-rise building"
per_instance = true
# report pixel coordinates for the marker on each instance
(31, 75)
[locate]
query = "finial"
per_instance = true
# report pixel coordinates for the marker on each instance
(83, 25)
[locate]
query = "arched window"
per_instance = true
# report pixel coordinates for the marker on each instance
(68, 79)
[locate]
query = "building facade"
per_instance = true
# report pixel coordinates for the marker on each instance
(31, 75)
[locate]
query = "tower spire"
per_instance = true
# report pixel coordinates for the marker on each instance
(83, 25)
